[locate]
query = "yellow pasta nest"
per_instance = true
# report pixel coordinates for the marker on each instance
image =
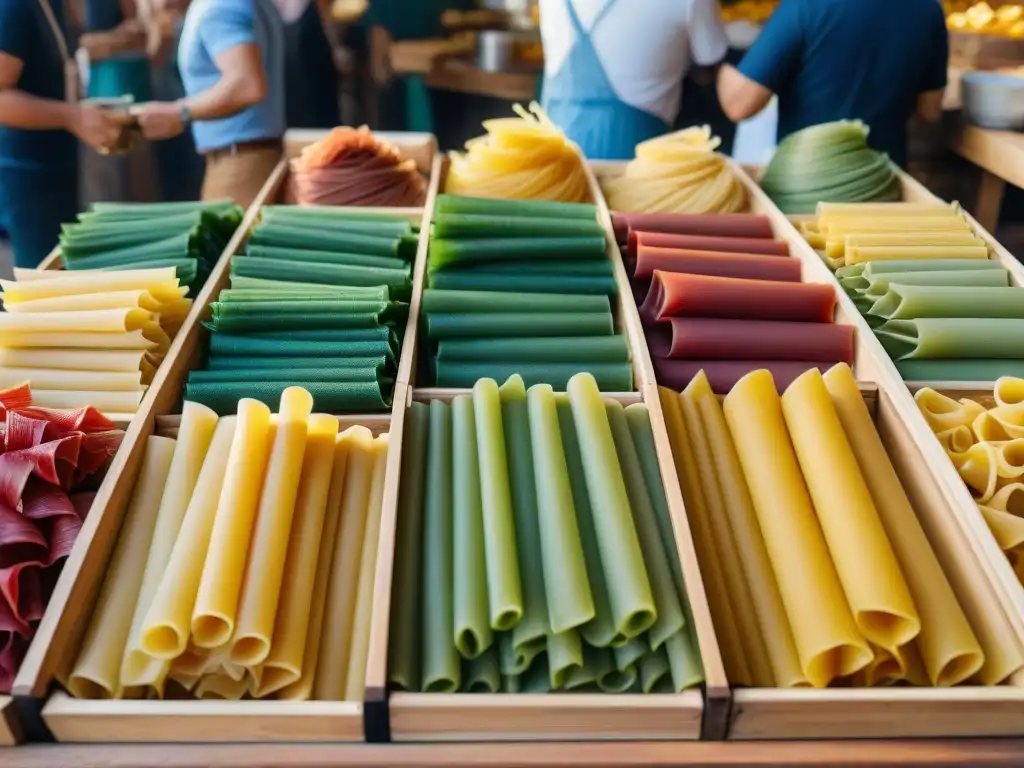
(525, 157)
(677, 173)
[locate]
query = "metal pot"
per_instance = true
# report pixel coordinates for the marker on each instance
(994, 100)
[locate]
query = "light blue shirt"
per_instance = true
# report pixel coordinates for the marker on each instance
(214, 26)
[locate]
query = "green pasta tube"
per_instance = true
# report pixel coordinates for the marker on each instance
(515, 660)
(504, 588)
(489, 206)
(442, 670)
(377, 293)
(316, 239)
(877, 285)
(643, 438)
(511, 684)
(534, 626)
(684, 662)
(245, 364)
(448, 253)
(653, 669)
(324, 257)
(397, 280)
(629, 589)
(325, 218)
(565, 655)
(470, 225)
(629, 655)
(959, 370)
(610, 377)
(569, 600)
(601, 630)
(465, 280)
(591, 349)
(339, 335)
(404, 637)
(437, 301)
(328, 396)
(544, 268)
(586, 675)
(472, 624)
(226, 345)
(241, 282)
(910, 302)
(659, 572)
(506, 324)
(482, 674)
(285, 374)
(538, 677)
(872, 268)
(953, 337)
(151, 210)
(609, 678)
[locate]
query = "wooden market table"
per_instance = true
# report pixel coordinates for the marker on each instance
(999, 155)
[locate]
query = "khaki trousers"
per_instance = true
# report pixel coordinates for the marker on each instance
(239, 175)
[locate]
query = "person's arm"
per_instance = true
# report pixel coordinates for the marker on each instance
(229, 36)
(708, 43)
(768, 66)
(933, 86)
(129, 36)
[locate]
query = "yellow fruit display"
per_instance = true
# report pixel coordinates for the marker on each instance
(982, 18)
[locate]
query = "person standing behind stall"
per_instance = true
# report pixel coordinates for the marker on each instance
(231, 56)
(873, 60)
(311, 77)
(613, 70)
(38, 126)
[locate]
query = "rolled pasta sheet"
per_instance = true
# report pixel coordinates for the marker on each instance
(96, 674)
(565, 656)
(355, 686)
(472, 625)
(715, 338)
(762, 245)
(128, 340)
(264, 572)
(979, 469)
(128, 361)
(342, 582)
(949, 649)
(166, 628)
(195, 433)
(878, 285)
(510, 324)
(878, 596)
(836, 246)
(680, 295)
(949, 338)
(71, 379)
(482, 674)
(631, 598)
(943, 413)
(654, 669)
(285, 662)
(161, 283)
(702, 224)
(909, 302)
(583, 349)
(216, 607)
(610, 679)
(455, 302)
(570, 602)
(610, 377)
(855, 254)
(404, 637)
(1007, 529)
(108, 402)
(1008, 390)
(87, 321)
(827, 639)
(723, 375)
(504, 585)
(1004, 422)
(745, 265)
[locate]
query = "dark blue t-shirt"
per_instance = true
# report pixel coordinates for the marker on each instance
(25, 34)
(866, 59)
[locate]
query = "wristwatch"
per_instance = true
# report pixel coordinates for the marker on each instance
(186, 115)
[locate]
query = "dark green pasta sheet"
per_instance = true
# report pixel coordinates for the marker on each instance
(325, 219)
(253, 316)
(610, 377)
(227, 375)
(456, 225)
(130, 211)
(230, 345)
(328, 397)
(325, 257)
(297, 322)
(323, 239)
(567, 349)
(436, 300)
(246, 284)
(355, 293)
(959, 370)
(487, 280)
(447, 253)
(240, 364)
(488, 206)
(174, 246)
(511, 324)
(398, 281)
(546, 267)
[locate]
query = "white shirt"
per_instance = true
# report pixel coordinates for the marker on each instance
(645, 46)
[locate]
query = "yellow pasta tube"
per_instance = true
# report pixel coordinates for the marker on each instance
(1009, 458)
(335, 640)
(978, 468)
(92, 321)
(826, 211)
(220, 687)
(165, 631)
(108, 402)
(1009, 498)
(1004, 422)
(944, 413)
(857, 254)
(261, 586)
(1007, 529)
(827, 639)
(213, 618)
(948, 648)
(127, 340)
(718, 523)
(96, 674)
(128, 361)
(70, 379)
(686, 468)
(161, 283)
(1009, 390)
(877, 594)
(355, 677)
(284, 664)
(957, 439)
(750, 552)
(302, 688)
(140, 299)
(195, 433)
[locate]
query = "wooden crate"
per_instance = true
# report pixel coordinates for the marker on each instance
(955, 528)
(57, 640)
(549, 717)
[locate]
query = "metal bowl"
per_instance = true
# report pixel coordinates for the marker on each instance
(994, 100)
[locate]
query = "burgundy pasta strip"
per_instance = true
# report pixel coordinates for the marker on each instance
(704, 224)
(703, 243)
(699, 338)
(748, 265)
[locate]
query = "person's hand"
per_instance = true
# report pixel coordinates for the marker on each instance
(160, 120)
(98, 128)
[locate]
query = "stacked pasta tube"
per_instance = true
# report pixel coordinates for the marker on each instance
(245, 563)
